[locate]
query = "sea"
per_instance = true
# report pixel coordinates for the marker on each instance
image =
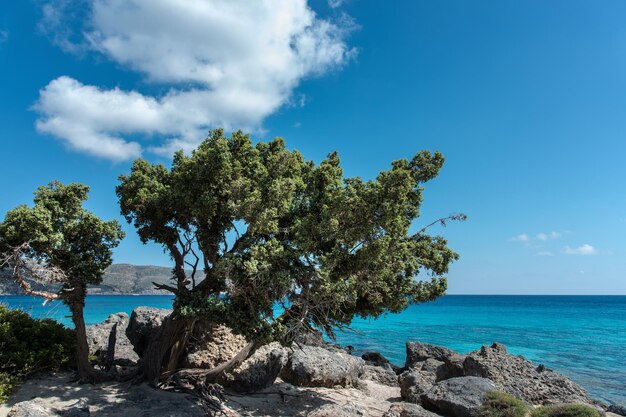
(582, 337)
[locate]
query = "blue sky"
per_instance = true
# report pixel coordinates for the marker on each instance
(526, 99)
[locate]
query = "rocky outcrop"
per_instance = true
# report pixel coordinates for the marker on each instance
(381, 375)
(419, 352)
(210, 345)
(312, 366)
(144, 324)
(377, 359)
(522, 378)
(534, 384)
(108, 340)
(457, 397)
(259, 371)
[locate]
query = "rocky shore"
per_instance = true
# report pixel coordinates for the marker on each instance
(312, 379)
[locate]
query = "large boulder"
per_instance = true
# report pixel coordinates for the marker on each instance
(312, 366)
(108, 340)
(144, 324)
(377, 359)
(258, 371)
(457, 397)
(210, 345)
(381, 375)
(522, 378)
(419, 379)
(419, 352)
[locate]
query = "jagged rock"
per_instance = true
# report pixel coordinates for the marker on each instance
(319, 367)
(144, 323)
(381, 375)
(210, 345)
(335, 410)
(617, 409)
(457, 397)
(108, 340)
(376, 359)
(522, 378)
(419, 352)
(414, 384)
(260, 370)
(408, 410)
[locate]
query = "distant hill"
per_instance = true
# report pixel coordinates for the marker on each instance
(118, 279)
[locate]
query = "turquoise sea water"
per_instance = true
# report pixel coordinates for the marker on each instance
(583, 337)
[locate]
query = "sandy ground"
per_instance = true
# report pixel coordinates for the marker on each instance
(124, 400)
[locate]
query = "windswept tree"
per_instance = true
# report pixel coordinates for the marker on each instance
(250, 227)
(61, 245)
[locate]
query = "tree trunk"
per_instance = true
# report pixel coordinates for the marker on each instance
(85, 371)
(164, 352)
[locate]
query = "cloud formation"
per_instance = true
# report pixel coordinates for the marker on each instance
(585, 249)
(520, 238)
(227, 64)
(548, 236)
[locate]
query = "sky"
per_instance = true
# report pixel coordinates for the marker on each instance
(525, 99)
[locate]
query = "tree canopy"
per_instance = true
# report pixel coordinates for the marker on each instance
(57, 241)
(249, 226)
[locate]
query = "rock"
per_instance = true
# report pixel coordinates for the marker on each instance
(319, 367)
(414, 384)
(408, 410)
(335, 410)
(108, 341)
(384, 376)
(617, 409)
(452, 367)
(376, 359)
(210, 345)
(260, 370)
(457, 397)
(144, 324)
(30, 409)
(522, 378)
(419, 352)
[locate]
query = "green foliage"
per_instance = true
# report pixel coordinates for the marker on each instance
(62, 234)
(266, 226)
(501, 404)
(566, 410)
(28, 346)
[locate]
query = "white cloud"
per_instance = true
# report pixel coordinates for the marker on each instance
(585, 249)
(520, 238)
(548, 236)
(227, 63)
(545, 253)
(335, 3)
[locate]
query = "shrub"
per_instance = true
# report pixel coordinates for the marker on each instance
(566, 410)
(501, 404)
(28, 346)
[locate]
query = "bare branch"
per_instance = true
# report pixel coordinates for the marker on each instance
(25, 269)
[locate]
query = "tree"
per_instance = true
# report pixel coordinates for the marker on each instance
(249, 227)
(57, 241)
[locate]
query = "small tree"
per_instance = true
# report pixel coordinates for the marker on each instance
(266, 227)
(57, 241)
